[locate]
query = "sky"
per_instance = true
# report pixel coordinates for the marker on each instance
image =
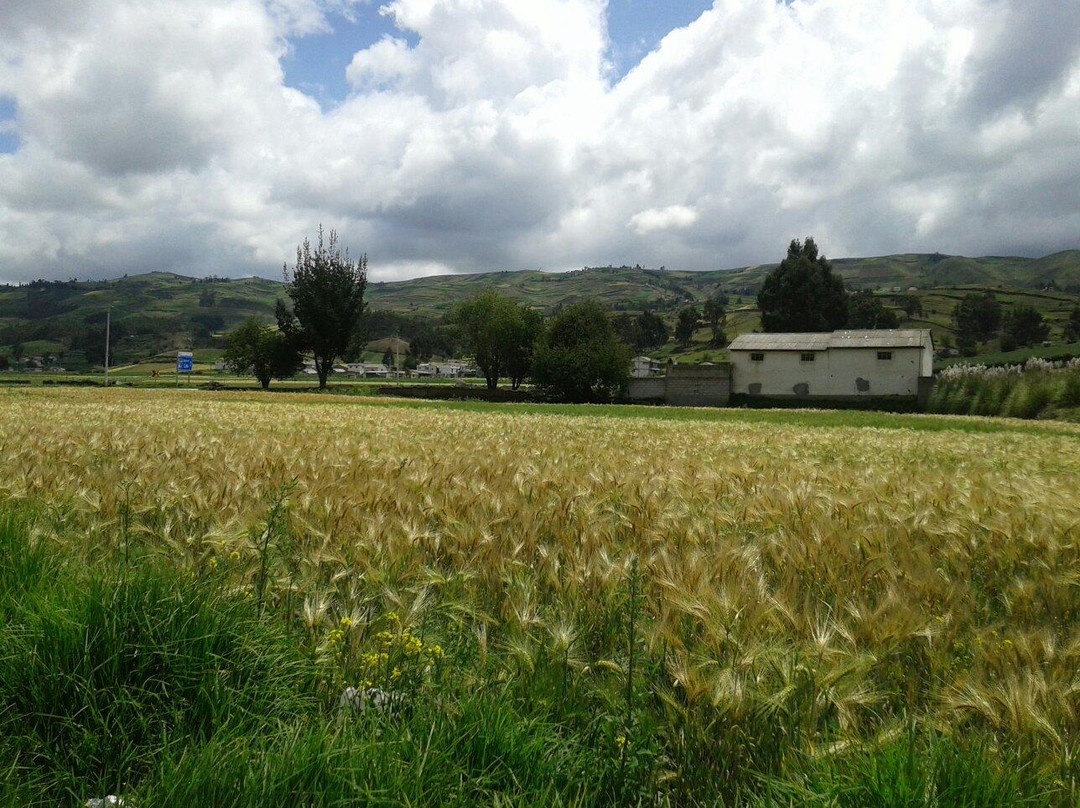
(212, 136)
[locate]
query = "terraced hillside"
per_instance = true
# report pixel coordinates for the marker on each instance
(159, 312)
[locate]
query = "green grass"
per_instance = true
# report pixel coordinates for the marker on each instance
(930, 770)
(171, 690)
(1020, 356)
(1031, 394)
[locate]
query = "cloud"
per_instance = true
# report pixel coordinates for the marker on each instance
(491, 134)
(669, 218)
(389, 60)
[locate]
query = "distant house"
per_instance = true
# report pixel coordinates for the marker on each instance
(445, 370)
(367, 370)
(836, 366)
(642, 367)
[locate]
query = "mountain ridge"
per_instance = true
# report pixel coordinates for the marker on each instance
(159, 310)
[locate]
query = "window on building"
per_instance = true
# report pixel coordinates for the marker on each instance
(757, 357)
(884, 355)
(807, 357)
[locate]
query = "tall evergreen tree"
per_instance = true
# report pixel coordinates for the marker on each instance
(803, 294)
(327, 292)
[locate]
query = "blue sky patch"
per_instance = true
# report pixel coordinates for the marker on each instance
(316, 64)
(9, 135)
(637, 26)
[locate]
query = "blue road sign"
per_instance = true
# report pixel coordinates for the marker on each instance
(183, 363)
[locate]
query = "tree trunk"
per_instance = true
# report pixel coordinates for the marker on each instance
(322, 367)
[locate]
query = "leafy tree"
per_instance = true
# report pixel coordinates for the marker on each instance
(715, 311)
(1072, 325)
(625, 326)
(5, 363)
(264, 351)
(423, 343)
(977, 317)
(388, 358)
(644, 332)
(685, 325)
(580, 358)
(205, 325)
(652, 331)
(865, 310)
(1021, 327)
(207, 298)
(803, 294)
(525, 329)
(499, 334)
(327, 292)
(911, 306)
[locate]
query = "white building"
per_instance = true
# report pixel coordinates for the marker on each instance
(642, 367)
(840, 365)
(367, 370)
(445, 370)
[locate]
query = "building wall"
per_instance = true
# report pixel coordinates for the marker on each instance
(927, 367)
(837, 372)
(686, 386)
(698, 385)
(651, 389)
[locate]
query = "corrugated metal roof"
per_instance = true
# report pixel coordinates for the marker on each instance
(780, 342)
(899, 338)
(896, 338)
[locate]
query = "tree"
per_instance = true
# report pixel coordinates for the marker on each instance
(652, 331)
(499, 334)
(865, 310)
(911, 306)
(388, 358)
(580, 358)
(264, 351)
(977, 317)
(803, 294)
(525, 329)
(644, 332)
(685, 325)
(327, 292)
(1021, 327)
(1072, 325)
(715, 311)
(207, 298)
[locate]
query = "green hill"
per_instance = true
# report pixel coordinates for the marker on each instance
(158, 312)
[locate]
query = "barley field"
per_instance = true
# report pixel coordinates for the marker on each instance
(705, 612)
